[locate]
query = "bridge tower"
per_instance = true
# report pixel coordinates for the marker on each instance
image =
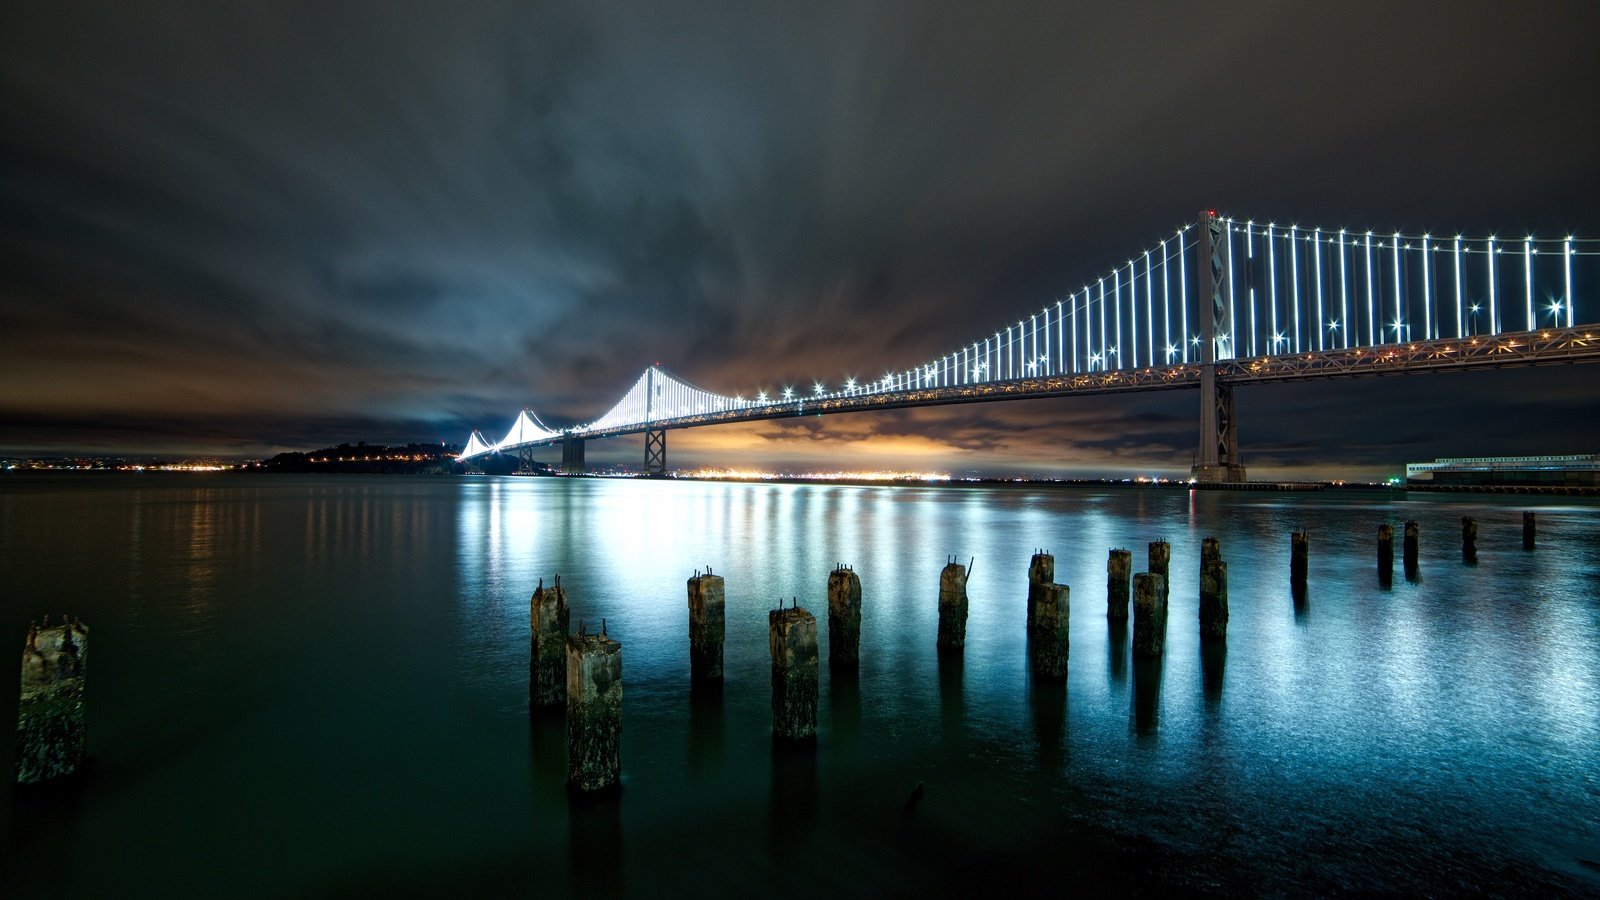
(1218, 460)
(655, 439)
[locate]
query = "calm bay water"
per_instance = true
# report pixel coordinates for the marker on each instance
(319, 685)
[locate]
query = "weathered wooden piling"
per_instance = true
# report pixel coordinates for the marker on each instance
(1158, 563)
(1041, 571)
(1409, 547)
(844, 619)
(1385, 551)
(1527, 531)
(1299, 558)
(792, 638)
(953, 606)
(707, 619)
(1149, 615)
(52, 735)
(594, 710)
(1213, 591)
(1048, 643)
(1469, 539)
(547, 679)
(1118, 566)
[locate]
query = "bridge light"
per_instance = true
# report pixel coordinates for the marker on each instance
(788, 393)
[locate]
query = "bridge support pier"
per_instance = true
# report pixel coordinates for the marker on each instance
(1218, 460)
(524, 459)
(572, 456)
(655, 453)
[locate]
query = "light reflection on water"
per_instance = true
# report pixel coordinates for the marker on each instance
(343, 662)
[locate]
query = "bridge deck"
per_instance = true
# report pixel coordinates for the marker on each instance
(1553, 346)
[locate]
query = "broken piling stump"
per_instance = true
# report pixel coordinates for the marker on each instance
(1410, 545)
(844, 619)
(1158, 563)
(1385, 552)
(594, 710)
(707, 618)
(52, 735)
(1527, 531)
(1149, 616)
(792, 638)
(1048, 643)
(1469, 539)
(1299, 559)
(1213, 591)
(548, 614)
(1118, 566)
(953, 607)
(1041, 571)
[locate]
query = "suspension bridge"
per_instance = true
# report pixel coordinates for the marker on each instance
(1221, 302)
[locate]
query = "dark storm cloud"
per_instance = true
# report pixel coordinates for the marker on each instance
(224, 219)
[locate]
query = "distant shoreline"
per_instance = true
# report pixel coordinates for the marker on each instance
(1249, 487)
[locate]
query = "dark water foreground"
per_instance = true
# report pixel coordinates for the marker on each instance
(319, 686)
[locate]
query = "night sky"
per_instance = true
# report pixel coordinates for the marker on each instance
(244, 227)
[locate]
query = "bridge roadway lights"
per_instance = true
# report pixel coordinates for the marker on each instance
(655, 453)
(572, 456)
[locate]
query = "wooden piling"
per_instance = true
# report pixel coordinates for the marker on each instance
(1409, 547)
(707, 622)
(844, 619)
(52, 732)
(594, 711)
(1213, 591)
(1041, 571)
(1469, 539)
(1048, 644)
(1149, 616)
(1299, 559)
(1385, 552)
(1527, 531)
(548, 614)
(952, 607)
(792, 639)
(1159, 562)
(1119, 564)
